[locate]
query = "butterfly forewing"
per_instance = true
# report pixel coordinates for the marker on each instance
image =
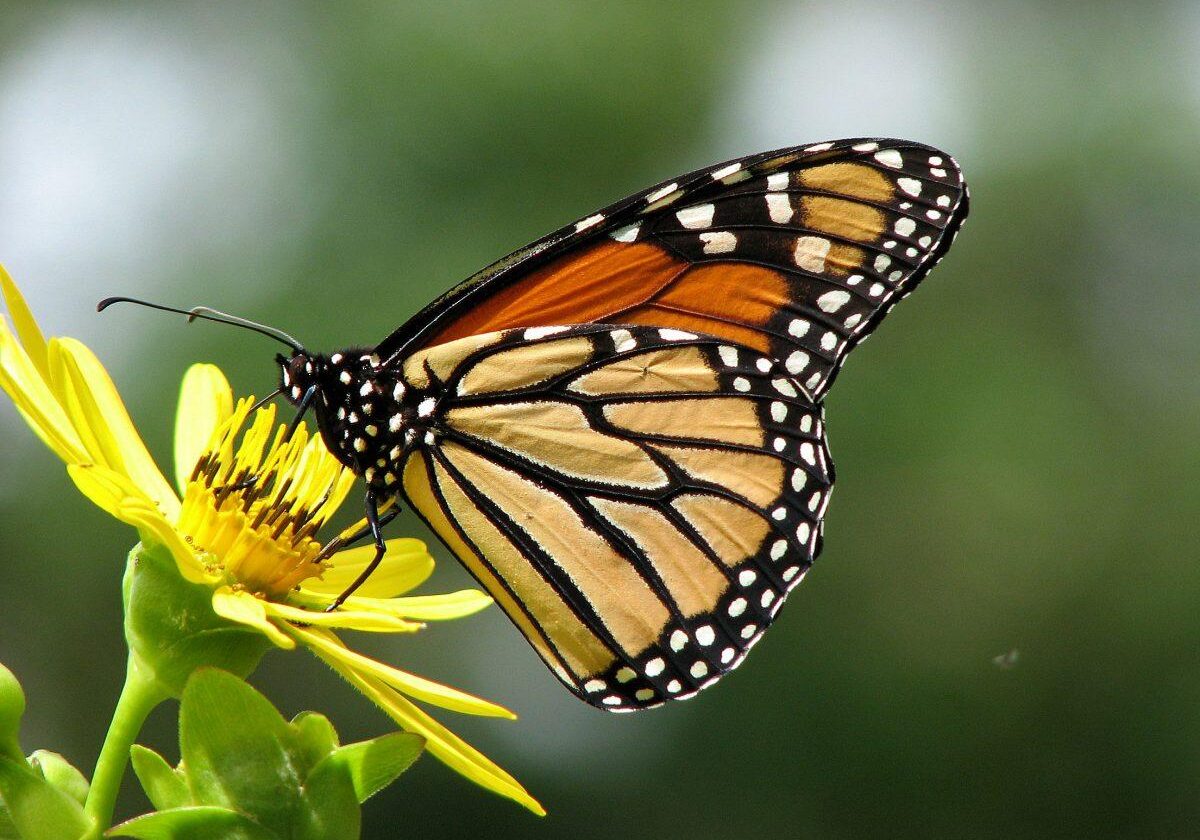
(796, 253)
(638, 500)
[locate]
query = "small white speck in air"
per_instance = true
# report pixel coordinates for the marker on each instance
(699, 668)
(910, 185)
(426, 406)
(829, 340)
(395, 423)
(590, 221)
(725, 171)
(718, 242)
(796, 362)
(611, 700)
(661, 192)
(696, 216)
(592, 686)
(626, 234)
(803, 532)
(905, 226)
(818, 147)
(935, 160)
(371, 429)
(778, 181)
(779, 208)
(749, 630)
(336, 358)
(925, 241)
(394, 453)
(815, 501)
(736, 607)
(778, 549)
(937, 173)
(623, 340)
(742, 384)
(764, 364)
(678, 640)
(534, 333)
(676, 335)
(747, 577)
(890, 157)
(705, 635)
(295, 392)
(625, 674)
(643, 694)
(768, 597)
(876, 289)
(943, 201)
(430, 439)
(811, 252)
(798, 327)
(813, 382)
(779, 443)
(655, 666)
(729, 355)
(360, 445)
(778, 412)
(790, 573)
(808, 453)
(799, 478)
(366, 389)
(835, 300)
(727, 655)
(882, 262)
(784, 386)
(933, 215)
(779, 514)
(806, 423)
(866, 147)
(674, 686)
(345, 378)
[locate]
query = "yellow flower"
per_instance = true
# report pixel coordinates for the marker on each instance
(245, 523)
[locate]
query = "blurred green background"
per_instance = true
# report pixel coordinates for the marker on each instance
(1017, 448)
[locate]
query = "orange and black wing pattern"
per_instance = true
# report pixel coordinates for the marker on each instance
(638, 500)
(796, 254)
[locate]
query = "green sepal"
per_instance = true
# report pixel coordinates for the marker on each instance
(165, 786)
(375, 764)
(171, 628)
(315, 735)
(37, 809)
(61, 774)
(12, 708)
(197, 822)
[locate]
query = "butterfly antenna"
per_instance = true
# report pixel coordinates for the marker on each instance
(208, 314)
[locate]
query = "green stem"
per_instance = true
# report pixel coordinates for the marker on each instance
(139, 696)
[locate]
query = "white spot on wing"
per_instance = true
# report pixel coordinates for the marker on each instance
(725, 171)
(590, 221)
(910, 185)
(811, 252)
(718, 242)
(833, 301)
(627, 233)
(623, 340)
(905, 226)
(661, 192)
(779, 207)
(697, 216)
(729, 355)
(890, 157)
(778, 181)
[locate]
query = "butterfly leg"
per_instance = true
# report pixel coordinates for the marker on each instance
(373, 523)
(338, 543)
(301, 410)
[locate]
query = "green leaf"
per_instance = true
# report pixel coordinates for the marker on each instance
(164, 786)
(8, 831)
(61, 774)
(12, 707)
(316, 736)
(333, 812)
(171, 627)
(375, 764)
(37, 809)
(200, 822)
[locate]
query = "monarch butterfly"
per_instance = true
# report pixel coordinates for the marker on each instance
(618, 429)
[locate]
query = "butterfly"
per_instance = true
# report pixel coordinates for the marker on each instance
(619, 429)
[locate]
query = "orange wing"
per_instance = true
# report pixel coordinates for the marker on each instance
(796, 253)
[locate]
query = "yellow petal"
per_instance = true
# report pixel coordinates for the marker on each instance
(418, 687)
(102, 422)
(373, 622)
(443, 744)
(31, 393)
(445, 607)
(27, 329)
(406, 565)
(244, 608)
(205, 402)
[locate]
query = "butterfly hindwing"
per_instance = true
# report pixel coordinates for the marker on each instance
(638, 500)
(796, 253)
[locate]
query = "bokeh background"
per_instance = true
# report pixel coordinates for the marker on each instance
(1017, 448)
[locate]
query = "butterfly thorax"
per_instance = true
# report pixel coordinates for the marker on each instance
(368, 415)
